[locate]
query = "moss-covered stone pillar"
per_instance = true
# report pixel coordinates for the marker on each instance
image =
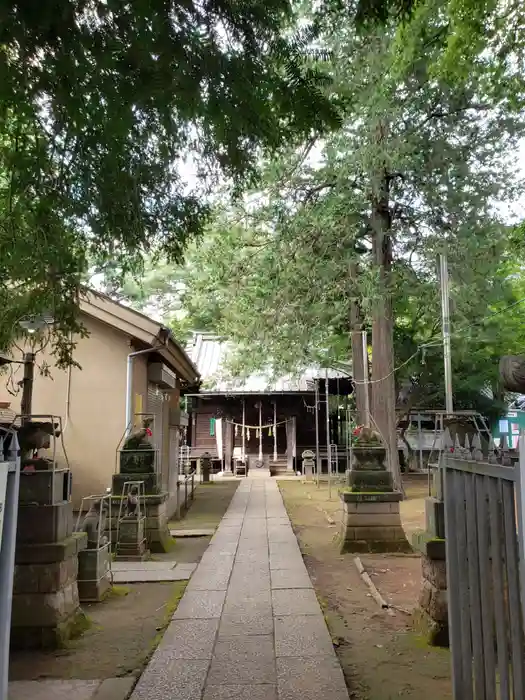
(431, 616)
(46, 610)
(370, 517)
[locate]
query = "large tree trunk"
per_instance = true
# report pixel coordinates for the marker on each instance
(358, 360)
(383, 388)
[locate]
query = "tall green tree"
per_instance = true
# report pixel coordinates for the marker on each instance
(100, 105)
(347, 237)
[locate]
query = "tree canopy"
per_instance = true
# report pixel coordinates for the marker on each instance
(100, 105)
(346, 231)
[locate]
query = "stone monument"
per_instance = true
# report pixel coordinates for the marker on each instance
(138, 460)
(205, 465)
(131, 527)
(370, 518)
(308, 458)
(46, 611)
(94, 562)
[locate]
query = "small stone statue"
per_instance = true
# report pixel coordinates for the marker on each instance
(132, 503)
(96, 514)
(137, 455)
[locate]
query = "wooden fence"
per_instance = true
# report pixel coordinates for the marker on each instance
(485, 570)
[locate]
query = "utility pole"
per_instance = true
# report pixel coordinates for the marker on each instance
(364, 340)
(317, 455)
(328, 444)
(445, 317)
(26, 405)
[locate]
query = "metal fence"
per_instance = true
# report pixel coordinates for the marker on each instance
(484, 549)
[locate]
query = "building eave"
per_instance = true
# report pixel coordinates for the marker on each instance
(142, 328)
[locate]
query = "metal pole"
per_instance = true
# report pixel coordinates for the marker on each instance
(364, 341)
(243, 429)
(275, 431)
(7, 557)
(445, 315)
(317, 456)
(328, 445)
(420, 440)
(26, 404)
(260, 431)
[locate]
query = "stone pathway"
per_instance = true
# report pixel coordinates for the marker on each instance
(249, 626)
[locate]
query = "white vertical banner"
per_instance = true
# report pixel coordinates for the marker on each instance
(218, 437)
(4, 466)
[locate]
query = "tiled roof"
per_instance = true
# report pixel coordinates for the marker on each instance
(209, 352)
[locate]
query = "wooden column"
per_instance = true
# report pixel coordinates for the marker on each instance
(228, 444)
(290, 443)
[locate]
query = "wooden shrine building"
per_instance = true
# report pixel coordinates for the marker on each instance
(268, 423)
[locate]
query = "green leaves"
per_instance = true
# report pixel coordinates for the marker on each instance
(101, 103)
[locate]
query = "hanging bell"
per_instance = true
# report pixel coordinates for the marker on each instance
(258, 433)
(270, 432)
(236, 430)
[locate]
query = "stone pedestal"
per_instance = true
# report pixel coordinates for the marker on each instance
(158, 510)
(159, 506)
(94, 567)
(131, 543)
(151, 481)
(46, 611)
(431, 617)
(370, 522)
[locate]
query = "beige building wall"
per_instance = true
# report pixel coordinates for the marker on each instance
(95, 422)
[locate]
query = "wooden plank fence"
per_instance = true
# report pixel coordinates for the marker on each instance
(485, 570)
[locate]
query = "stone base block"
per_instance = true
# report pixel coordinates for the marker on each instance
(400, 546)
(435, 516)
(49, 637)
(45, 609)
(431, 618)
(94, 574)
(42, 524)
(156, 524)
(51, 552)
(435, 633)
(371, 523)
(151, 482)
(377, 480)
(44, 487)
(44, 578)
(131, 530)
(94, 591)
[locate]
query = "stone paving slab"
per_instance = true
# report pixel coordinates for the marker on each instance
(205, 532)
(209, 579)
(302, 635)
(240, 692)
(243, 660)
(189, 639)
(53, 690)
(249, 620)
(180, 679)
(142, 565)
(197, 605)
(290, 578)
(309, 678)
(301, 601)
(114, 688)
(180, 573)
